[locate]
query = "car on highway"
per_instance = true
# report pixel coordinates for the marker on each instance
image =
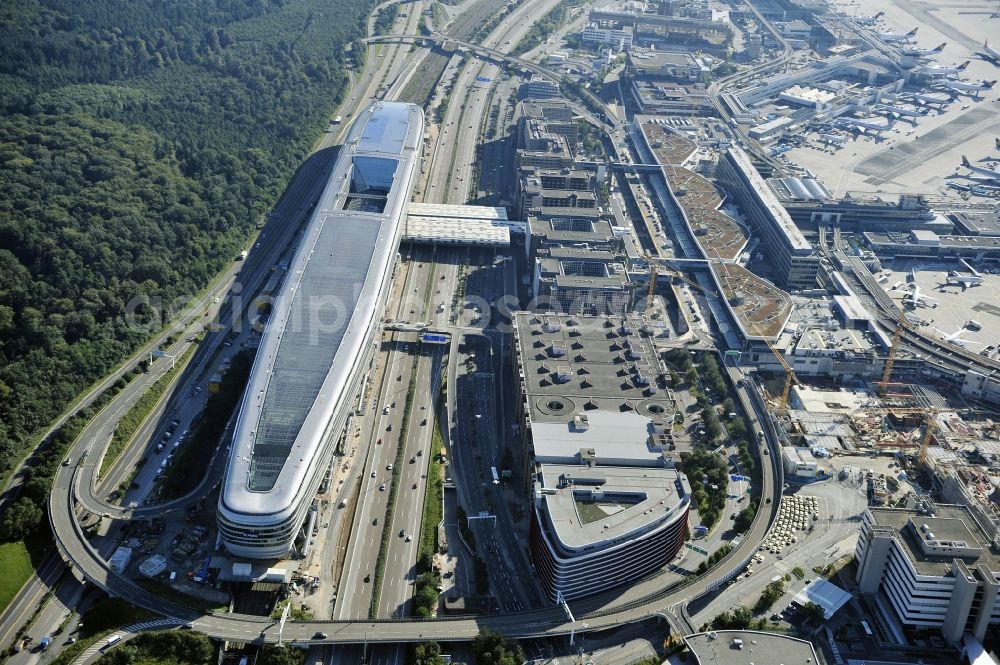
(319, 636)
(373, 474)
(67, 461)
(368, 578)
(408, 538)
(389, 428)
(381, 488)
(414, 486)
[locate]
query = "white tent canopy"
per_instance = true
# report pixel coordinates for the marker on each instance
(827, 595)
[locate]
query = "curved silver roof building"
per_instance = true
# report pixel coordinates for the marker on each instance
(319, 340)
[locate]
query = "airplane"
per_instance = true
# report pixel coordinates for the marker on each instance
(989, 173)
(890, 37)
(932, 70)
(833, 139)
(863, 125)
(868, 20)
(912, 113)
(923, 52)
(965, 280)
(931, 99)
(966, 87)
(989, 53)
(954, 337)
(916, 299)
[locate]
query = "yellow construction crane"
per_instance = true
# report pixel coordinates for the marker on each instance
(658, 266)
(653, 273)
(789, 374)
(891, 358)
(655, 268)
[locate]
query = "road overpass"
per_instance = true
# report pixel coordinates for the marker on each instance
(656, 597)
(500, 58)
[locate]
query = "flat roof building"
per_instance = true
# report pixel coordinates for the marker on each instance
(747, 647)
(669, 98)
(933, 568)
(791, 254)
(608, 505)
(811, 206)
(895, 244)
(620, 38)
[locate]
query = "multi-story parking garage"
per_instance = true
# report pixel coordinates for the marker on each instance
(608, 506)
(319, 341)
(594, 528)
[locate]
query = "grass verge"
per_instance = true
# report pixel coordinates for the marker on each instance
(136, 416)
(431, 517)
(15, 562)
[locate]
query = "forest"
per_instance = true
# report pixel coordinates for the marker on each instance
(142, 143)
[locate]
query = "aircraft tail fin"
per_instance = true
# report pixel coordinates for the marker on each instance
(912, 33)
(941, 47)
(962, 66)
(965, 162)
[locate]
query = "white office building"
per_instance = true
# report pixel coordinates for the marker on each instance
(932, 569)
(620, 38)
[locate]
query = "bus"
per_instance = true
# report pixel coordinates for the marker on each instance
(867, 628)
(496, 477)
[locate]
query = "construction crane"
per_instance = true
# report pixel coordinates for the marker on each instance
(891, 358)
(789, 374)
(657, 266)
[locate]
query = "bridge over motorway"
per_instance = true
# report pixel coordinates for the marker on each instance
(500, 58)
(72, 492)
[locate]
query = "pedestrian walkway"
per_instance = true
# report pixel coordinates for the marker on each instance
(127, 633)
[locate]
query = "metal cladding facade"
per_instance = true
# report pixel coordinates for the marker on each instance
(320, 338)
(602, 566)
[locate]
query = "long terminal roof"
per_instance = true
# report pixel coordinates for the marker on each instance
(321, 315)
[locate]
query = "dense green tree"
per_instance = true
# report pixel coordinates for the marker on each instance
(744, 519)
(20, 519)
(811, 612)
(171, 646)
(492, 648)
(143, 143)
(772, 592)
(427, 653)
(271, 654)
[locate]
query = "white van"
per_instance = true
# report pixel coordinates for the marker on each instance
(113, 640)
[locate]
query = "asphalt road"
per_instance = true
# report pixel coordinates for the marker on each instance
(249, 628)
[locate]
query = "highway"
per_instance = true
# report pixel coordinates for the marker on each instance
(70, 488)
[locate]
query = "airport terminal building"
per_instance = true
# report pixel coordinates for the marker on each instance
(320, 340)
(794, 260)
